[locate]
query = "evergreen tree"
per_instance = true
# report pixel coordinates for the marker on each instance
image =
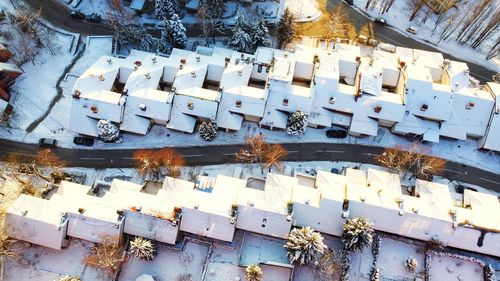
(177, 32)
(240, 40)
(143, 248)
(208, 130)
(357, 234)
(286, 30)
(297, 123)
(164, 44)
(303, 245)
(171, 8)
(260, 34)
(240, 22)
(160, 9)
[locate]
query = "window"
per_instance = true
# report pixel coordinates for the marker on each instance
(238, 103)
(424, 107)
(190, 105)
(285, 102)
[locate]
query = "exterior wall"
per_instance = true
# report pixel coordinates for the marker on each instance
(468, 239)
(150, 227)
(207, 225)
(93, 230)
(303, 70)
(36, 232)
(326, 219)
(263, 222)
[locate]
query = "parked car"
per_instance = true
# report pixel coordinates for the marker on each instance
(338, 134)
(47, 142)
(94, 18)
(412, 29)
(335, 171)
(380, 20)
(78, 15)
(387, 47)
(83, 141)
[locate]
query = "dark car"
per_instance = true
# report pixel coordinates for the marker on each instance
(339, 134)
(94, 18)
(460, 189)
(335, 171)
(83, 141)
(46, 142)
(380, 20)
(78, 15)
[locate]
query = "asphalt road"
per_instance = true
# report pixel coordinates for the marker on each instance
(210, 155)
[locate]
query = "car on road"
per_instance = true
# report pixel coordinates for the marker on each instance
(412, 29)
(78, 15)
(83, 141)
(335, 171)
(380, 20)
(94, 18)
(387, 47)
(47, 142)
(336, 133)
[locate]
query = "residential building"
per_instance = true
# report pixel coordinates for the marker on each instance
(491, 139)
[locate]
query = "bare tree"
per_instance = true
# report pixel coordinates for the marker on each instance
(495, 50)
(158, 163)
(107, 255)
(392, 159)
(338, 23)
(274, 153)
(415, 6)
(427, 166)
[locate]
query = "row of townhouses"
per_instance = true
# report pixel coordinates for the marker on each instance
(409, 91)
(215, 207)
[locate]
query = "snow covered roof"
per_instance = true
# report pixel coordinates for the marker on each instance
(370, 79)
(239, 101)
(265, 55)
(282, 69)
(10, 67)
(482, 211)
(275, 196)
(419, 126)
(34, 220)
(332, 186)
(435, 200)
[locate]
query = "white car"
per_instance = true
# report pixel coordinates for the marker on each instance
(412, 29)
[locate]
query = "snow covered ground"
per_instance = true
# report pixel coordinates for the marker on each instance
(398, 15)
(304, 10)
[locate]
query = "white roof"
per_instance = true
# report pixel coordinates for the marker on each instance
(332, 186)
(435, 200)
(483, 212)
(275, 196)
(37, 209)
(370, 79)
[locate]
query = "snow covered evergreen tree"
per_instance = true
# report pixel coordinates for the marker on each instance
(216, 8)
(208, 130)
(177, 32)
(357, 234)
(489, 273)
(260, 34)
(69, 278)
(375, 274)
(160, 9)
(345, 264)
(297, 123)
(143, 248)
(107, 131)
(286, 30)
(303, 245)
(240, 40)
(164, 44)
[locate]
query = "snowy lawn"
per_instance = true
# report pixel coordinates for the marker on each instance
(169, 264)
(304, 10)
(392, 257)
(44, 264)
(449, 268)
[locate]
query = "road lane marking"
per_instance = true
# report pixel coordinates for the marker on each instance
(292, 151)
(128, 158)
(490, 180)
(334, 151)
(452, 171)
(193, 155)
(88, 158)
(230, 154)
(370, 154)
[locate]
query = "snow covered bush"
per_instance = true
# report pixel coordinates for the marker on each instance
(411, 264)
(297, 123)
(253, 273)
(375, 272)
(357, 234)
(208, 130)
(143, 249)
(107, 131)
(489, 273)
(69, 278)
(165, 9)
(345, 264)
(303, 245)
